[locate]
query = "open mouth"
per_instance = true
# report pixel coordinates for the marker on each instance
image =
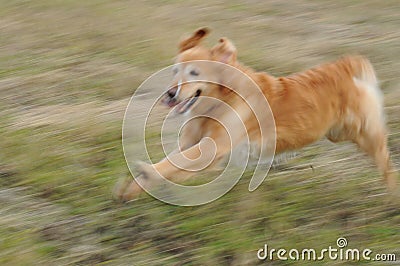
(185, 105)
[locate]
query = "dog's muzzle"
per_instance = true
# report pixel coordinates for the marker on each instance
(170, 97)
(171, 100)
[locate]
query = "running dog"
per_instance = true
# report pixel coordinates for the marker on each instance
(340, 101)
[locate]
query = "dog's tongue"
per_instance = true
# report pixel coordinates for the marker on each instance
(169, 102)
(172, 103)
(183, 106)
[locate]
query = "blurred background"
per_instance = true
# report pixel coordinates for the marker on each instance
(67, 71)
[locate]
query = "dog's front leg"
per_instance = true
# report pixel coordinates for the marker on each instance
(177, 167)
(182, 165)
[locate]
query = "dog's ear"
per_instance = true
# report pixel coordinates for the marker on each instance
(193, 40)
(224, 51)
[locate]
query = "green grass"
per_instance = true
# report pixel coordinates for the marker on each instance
(67, 70)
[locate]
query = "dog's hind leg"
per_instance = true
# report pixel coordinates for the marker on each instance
(375, 145)
(370, 133)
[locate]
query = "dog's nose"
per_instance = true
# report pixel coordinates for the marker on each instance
(172, 92)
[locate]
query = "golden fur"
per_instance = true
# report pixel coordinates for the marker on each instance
(339, 100)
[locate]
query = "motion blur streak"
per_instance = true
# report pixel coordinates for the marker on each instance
(67, 71)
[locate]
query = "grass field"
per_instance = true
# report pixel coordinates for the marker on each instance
(67, 71)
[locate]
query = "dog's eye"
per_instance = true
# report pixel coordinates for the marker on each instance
(194, 73)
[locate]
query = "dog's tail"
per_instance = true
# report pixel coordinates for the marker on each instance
(364, 78)
(361, 69)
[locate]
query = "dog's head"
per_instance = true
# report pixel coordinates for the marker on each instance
(191, 71)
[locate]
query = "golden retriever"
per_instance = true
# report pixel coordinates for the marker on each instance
(339, 100)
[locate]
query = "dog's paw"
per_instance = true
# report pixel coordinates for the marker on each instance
(126, 189)
(392, 180)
